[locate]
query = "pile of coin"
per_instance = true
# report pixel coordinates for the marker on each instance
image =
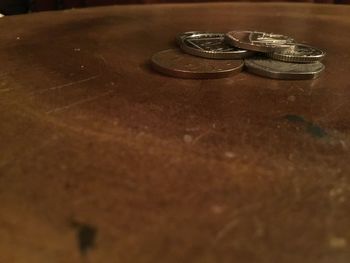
(203, 55)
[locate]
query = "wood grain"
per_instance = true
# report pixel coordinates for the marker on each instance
(104, 160)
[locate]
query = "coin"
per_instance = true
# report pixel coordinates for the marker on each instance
(258, 41)
(211, 45)
(298, 53)
(283, 70)
(175, 63)
(181, 36)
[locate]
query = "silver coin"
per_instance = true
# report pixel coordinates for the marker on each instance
(175, 63)
(211, 45)
(283, 70)
(181, 36)
(258, 41)
(298, 53)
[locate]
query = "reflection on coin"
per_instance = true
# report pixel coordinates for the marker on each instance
(298, 53)
(175, 63)
(283, 70)
(211, 45)
(258, 41)
(181, 36)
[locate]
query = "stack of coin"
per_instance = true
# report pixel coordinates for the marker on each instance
(215, 55)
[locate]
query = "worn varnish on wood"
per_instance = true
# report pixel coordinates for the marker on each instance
(102, 158)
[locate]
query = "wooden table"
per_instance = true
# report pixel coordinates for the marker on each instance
(104, 160)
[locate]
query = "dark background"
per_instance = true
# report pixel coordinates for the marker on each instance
(11, 7)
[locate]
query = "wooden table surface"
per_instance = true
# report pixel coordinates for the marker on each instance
(104, 160)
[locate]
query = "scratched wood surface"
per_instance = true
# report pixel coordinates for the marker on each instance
(104, 160)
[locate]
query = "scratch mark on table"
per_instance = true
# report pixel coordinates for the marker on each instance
(103, 59)
(68, 106)
(64, 85)
(334, 110)
(206, 133)
(6, 90)
(225, 230)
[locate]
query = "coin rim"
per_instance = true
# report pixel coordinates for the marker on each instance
(248, 46)
(297, 59)
(180, 36)
(283, 75)
(194, 75)
(240, 54)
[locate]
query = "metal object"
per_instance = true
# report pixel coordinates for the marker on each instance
(181, 36)
(298, 53)
(210, 45)
(175, 63)
(283, 70)
(258, 41)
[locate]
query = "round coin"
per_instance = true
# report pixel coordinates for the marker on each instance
(175, 63)
(211, 45)
(270, 68)
(298, 53)
(258, 41)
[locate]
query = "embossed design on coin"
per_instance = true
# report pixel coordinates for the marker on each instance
(283, 70)
(258, 41)
(175, 63)
(181, 36)
(298, 53)
(211, 45)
